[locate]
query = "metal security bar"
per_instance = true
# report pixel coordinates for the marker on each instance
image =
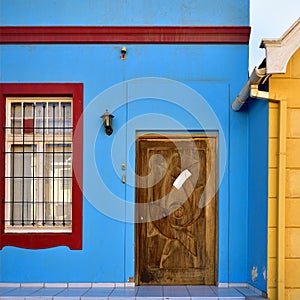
(38, 158)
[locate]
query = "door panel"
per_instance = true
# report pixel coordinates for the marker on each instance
(175, 238)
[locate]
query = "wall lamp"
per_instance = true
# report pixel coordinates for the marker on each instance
(123, 53)
(107, 122)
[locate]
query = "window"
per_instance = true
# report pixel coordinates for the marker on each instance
(42, 199)
(38, 159)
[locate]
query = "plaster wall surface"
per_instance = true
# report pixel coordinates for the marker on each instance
(216, 72)
(286, 85)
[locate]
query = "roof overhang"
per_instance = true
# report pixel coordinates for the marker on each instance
(279, 51)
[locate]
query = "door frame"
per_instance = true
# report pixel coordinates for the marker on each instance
(137, 227)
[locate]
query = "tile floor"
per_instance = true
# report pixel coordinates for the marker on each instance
(136, 293)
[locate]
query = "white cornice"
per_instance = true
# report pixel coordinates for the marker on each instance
(279, 51)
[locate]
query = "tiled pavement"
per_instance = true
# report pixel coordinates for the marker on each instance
(136, 293)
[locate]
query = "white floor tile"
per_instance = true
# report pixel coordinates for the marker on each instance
(9, 284)
(178, 291)
(5, 290)
(101, 292)
(56, 285)
(70, 292)
(80, 285)
(39, 298)
(12, 298)
(48, 292)
(227, 292)
(25, 292)
(32, 285)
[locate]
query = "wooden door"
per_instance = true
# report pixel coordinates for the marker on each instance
(176, 228)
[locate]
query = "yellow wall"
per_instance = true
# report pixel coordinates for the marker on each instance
(287, 85)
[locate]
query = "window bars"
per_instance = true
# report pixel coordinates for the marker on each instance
(38, 160)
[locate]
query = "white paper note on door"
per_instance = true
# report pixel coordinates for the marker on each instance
(182, 177)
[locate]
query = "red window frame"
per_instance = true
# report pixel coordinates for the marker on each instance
(40, 240)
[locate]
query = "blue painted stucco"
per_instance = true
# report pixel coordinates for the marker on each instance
(120, 12)
(185, 87)
(103, 257)
(258, 193)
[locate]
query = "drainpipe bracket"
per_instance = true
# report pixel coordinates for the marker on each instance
(255, 93)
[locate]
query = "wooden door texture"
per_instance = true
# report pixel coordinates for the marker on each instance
(176, 225)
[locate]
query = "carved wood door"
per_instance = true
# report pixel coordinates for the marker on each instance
(176, 210)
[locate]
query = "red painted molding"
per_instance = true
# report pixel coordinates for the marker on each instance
(124, 34)
(46, 240)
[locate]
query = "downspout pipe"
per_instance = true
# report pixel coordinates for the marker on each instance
(257, 76)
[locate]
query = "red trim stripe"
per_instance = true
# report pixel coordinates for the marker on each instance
(124, 34)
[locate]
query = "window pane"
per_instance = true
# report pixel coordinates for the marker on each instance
(53, 116)
(22, 194)
(28, 117)
(16, 118)
(66, 116)
(28, 110)
(58, 184)
(40, 117)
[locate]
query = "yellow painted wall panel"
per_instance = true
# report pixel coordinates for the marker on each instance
(286, 85)
(273, 122)
(292, 242)
(272, 182)
(295, 67)
(272, 293)
(293, 183)
(272, 273)
(273, 152)
(272, 243)
(292, 273)
(292, 294)
(292, 152)
(293, 95)
(293, 212)
(293, 122)
(288, 88)
(272, 212)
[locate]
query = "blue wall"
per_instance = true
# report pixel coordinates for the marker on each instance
(212, 74)
(197, 80)
(121, 12)
(258, 194)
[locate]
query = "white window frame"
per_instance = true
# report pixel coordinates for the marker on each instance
(40, 147)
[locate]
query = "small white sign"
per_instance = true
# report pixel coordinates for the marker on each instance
(182, 177)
